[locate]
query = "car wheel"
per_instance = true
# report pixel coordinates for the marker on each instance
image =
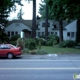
(9, 55)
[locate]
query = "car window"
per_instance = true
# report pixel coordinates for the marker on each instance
(4, 47)
(13, 46)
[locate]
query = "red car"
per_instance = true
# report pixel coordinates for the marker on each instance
(9, 51)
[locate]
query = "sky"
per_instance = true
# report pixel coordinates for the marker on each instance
(27, 10)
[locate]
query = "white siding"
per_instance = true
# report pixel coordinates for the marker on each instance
(42, 29)
(18, 28)
(70, 28)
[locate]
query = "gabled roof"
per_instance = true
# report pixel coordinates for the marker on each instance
(25, 22)
(29, 22)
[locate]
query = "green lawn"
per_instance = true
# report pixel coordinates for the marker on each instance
(51, 49)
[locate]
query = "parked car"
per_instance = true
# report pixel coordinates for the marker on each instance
(9, 51)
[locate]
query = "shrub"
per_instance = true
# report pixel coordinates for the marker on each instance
(31, 43)
(15, 37)
(38, 51)
(41, 52)
(13, 42)
(78, 44)
(67, 43)
(25, 50)
(21, 43)
(32, 52)
(49, 42)
(52, 40)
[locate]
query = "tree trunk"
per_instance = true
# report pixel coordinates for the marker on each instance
(46, 26)
(61, 30)
(78, 31)
(34, 20)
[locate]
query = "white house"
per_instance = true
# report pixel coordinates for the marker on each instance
(16, 26)
(70, 32)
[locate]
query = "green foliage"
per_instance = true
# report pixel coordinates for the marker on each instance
(40, 41)
(15, 37)
(6, 6)
(67, 43)
(39, 44)
(38, 51)
(31, 43)
(3, 37)
(61, 9)
(52, 40)
(32, 52)
(41, 52)
(19, 15)
(21, 43)
(49, 42)
(25, 50)
(13, 42)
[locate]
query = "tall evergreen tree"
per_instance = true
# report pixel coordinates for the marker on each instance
(19, 15)
(46, 17)
(6, 6)
(34, 18)
(63, 10)
(44, 14)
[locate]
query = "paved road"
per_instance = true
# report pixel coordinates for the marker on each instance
(38, 69)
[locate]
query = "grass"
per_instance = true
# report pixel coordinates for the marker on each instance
(51, 49)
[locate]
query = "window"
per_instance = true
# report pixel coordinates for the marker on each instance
(42, 33)
(4, 46)
(68, 34)
(43, 24)
(38, 33)
(12, 33)
(16, 33)
(8, 33)
(72, 34)
(55, 33)
(55, 26)
(48, 33)
(52, 32)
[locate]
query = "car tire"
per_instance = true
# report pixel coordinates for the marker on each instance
(9, 55)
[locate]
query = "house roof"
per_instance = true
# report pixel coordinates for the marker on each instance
(29, 22)
(25, 22)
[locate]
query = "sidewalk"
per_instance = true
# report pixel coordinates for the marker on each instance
(53, 56)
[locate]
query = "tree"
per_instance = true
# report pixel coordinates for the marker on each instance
(78, 31)
(63, 10)
(34, 18)
(44, 12)
(19, 15)
(6, 6)
(46, 17)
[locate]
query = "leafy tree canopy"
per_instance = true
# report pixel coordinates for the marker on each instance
(6, 6)
(61, 9)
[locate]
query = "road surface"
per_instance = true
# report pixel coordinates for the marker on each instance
(38, 69)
